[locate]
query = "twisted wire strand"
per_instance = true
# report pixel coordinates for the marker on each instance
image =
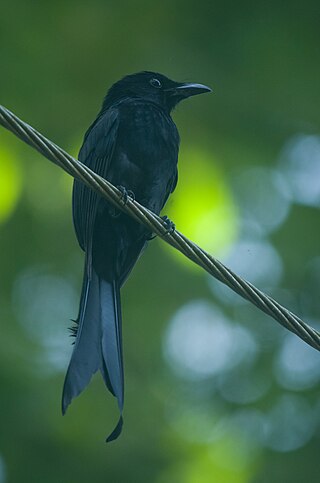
(158, 226)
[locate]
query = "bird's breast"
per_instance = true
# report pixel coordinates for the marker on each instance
(146, 154)
(148, 131)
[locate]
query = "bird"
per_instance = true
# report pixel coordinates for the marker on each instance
(134, 144)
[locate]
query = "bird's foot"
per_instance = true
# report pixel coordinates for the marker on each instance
(126, 194)
(169, 225)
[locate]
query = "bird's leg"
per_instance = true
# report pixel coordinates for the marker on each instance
(125, 195)
(169, 225)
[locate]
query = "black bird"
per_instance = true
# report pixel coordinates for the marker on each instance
(134, 144)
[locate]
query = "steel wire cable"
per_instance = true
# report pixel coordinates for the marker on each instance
(159, 226)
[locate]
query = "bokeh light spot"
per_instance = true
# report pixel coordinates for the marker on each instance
(10, 182)
(297, 366)
(197, 421)
(201, 342)
(291, 424)
(48, 189)
(300, 165)
(263, 199)
(228, 461)
(243, 386)
(257, 261)
(44, 304)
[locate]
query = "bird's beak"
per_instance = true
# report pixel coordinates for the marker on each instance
(190, 89)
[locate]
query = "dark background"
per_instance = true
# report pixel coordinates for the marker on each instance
(215, 390)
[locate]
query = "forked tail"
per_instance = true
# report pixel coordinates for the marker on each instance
(98, 344)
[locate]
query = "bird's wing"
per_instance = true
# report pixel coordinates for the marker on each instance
(170, 188)
(96, 153)
(98, 342)
(174, 183)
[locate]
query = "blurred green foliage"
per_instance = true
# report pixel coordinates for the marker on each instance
(215, 391)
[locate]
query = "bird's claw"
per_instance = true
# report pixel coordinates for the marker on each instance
(126, 194)
(169, 225)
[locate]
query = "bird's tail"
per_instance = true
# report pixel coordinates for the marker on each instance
(98, 343)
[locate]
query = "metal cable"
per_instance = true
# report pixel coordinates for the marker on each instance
(158, 226)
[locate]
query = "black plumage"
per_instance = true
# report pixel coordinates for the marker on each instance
(134, 144)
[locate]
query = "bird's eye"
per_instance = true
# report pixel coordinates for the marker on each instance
(155, 83)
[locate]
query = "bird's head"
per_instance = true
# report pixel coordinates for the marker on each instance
(154, 87)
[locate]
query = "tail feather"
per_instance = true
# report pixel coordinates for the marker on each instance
(98, 344)
(86, 354)
(111, 344)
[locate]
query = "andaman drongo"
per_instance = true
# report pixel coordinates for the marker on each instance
(133, 143)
